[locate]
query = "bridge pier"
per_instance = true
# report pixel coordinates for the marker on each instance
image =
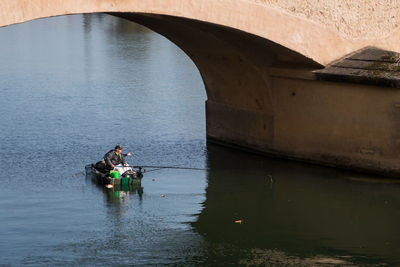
(336, 124)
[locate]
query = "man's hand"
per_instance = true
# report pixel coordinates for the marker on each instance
(112, 166)
(126, 164)
(129, 154)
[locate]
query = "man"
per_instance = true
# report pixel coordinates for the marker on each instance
(113, 158)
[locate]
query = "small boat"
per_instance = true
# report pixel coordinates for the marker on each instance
(103, 177)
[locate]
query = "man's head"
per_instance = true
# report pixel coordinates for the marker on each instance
(118, 149)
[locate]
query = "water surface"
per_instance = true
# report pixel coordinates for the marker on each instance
(72, 87)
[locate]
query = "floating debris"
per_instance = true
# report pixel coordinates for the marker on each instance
(162, 195)
(153, 179)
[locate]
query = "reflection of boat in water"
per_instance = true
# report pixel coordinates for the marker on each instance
(121, 192)
(130, 183)
(102, 177)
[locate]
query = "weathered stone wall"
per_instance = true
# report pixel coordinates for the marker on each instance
(355, 19)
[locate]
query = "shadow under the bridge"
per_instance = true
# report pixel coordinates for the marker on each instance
(255, 206)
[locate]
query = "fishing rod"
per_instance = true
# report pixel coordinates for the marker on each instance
(170, 167)
(156, 168)
(153, 170)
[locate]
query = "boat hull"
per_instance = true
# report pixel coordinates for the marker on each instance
(104, 178)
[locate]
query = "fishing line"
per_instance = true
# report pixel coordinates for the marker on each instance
(171, 167)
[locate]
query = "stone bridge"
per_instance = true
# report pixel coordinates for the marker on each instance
(313, 80)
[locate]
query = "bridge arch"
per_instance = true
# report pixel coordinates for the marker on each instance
(295, 33)
(232, 49)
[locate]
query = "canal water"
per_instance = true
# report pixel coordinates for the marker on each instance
(72, 87)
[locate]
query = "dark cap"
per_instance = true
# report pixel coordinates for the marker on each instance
(118, 147)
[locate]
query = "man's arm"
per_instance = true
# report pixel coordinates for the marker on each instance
(107, 158)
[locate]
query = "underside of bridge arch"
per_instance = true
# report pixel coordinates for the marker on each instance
(234, 65)
(265, 97)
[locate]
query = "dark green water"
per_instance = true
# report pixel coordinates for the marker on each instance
(73, 87)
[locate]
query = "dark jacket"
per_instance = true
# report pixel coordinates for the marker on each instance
(111, 158)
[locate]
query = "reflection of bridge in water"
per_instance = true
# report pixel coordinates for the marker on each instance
(296, 209)
(268, 72)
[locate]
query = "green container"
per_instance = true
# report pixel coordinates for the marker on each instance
(125, 180)
(114, 174)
